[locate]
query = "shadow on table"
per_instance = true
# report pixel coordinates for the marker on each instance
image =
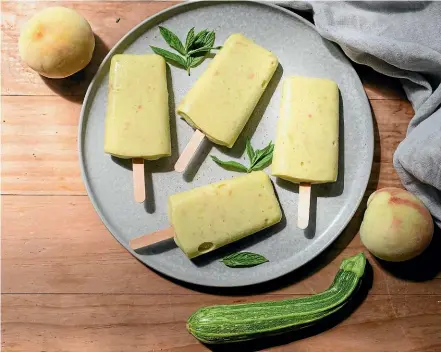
(376, 162)
(325, 324)
(422, 268)
(376, 84)
(74, 87)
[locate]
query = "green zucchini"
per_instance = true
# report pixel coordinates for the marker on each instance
(240, 322)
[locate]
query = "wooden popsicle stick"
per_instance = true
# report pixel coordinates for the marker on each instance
(189, 151)
(151, 238)
(138, 180)
(304, 204)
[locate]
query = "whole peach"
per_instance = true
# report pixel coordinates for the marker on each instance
(396, 225)
(56, 42)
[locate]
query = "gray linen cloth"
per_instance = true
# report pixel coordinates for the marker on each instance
(401, 39)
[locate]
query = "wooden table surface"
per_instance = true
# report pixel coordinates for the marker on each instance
(67, 285)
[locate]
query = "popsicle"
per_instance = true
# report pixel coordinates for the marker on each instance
(137, 122)
(222, 100)
(306, 145)
(206, 218)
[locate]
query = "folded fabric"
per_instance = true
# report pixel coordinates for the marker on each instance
(400, 39)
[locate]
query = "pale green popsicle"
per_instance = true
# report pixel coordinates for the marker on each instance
(306, 145)
(137, 121)
(214, 215)
(224, 97)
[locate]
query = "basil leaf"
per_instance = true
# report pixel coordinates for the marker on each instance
(250, 150)
(189, 40)
(257, 155)
(230, 165)
(244, 260)
(179, 60)
(172, 40)
(259, 159)
(268, 149)
(262, 163)
(261, 153)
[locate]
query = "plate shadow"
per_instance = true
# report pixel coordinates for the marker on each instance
(240, 245)
(74, 87)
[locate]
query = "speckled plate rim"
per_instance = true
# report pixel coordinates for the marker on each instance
(317, 248)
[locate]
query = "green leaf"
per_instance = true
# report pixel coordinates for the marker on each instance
(195, 61)
(261, 153)
(262, 163)
(204, 49)
(230, 165)
(201, 35)
(259, 159)
(203, 39)
(192, 62)
(210, 38)
(189, 40)
(244, 260)
(199, 39)
(268, 149)
(197, 46)
(250, 150)
(176, 59)
(172, 40)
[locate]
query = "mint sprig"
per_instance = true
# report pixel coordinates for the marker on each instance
(259, 159)
(190, 55)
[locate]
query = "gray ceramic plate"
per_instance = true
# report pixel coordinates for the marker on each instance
(301, 51)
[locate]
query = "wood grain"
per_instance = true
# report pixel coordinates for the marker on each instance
(67, 285)
(39, 146)
(377, 86)
(40, 152)
(18, 79)
(79, 255)
(112, 323)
